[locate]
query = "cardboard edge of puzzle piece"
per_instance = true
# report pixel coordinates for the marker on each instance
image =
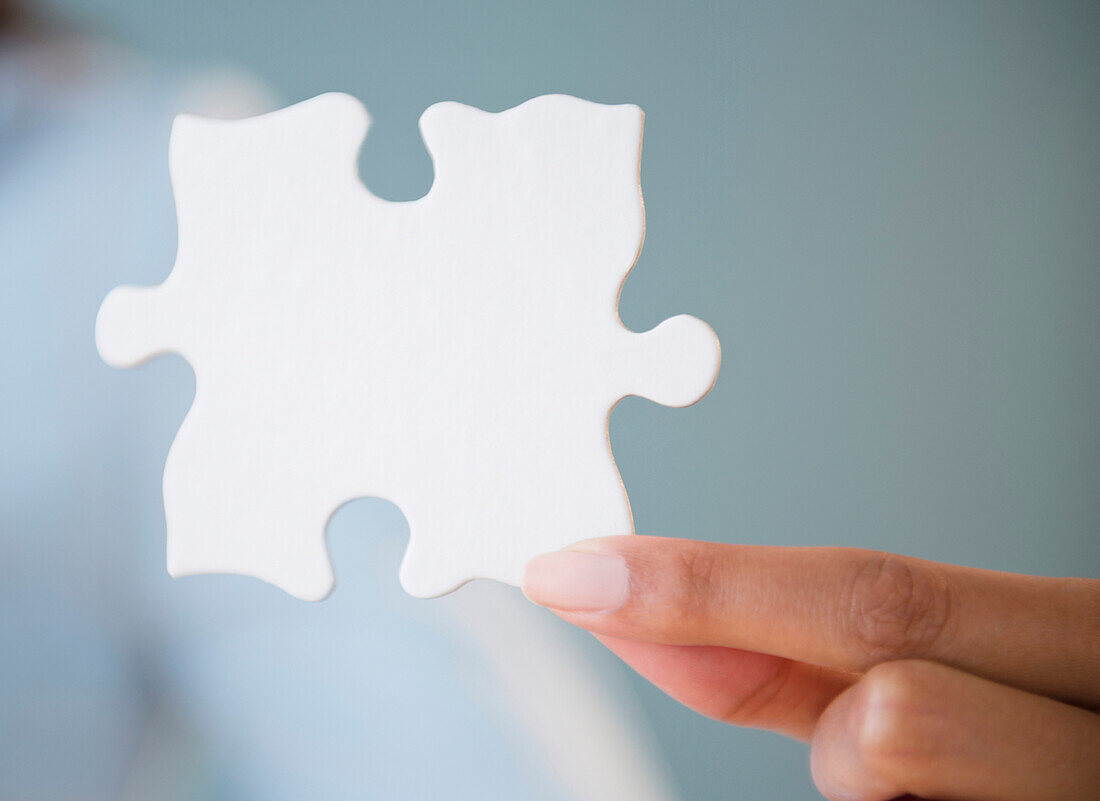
(674, 364)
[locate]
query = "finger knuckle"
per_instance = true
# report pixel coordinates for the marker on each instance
(883, 724)
(898, 607)
(694, 586)
(747, 708)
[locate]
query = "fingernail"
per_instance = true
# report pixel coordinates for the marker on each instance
(577, 581)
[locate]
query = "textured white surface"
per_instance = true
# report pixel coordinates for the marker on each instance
(458, 355)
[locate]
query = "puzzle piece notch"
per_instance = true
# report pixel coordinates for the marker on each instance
(484, 417)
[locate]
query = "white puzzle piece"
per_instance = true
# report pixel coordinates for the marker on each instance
(458, 355)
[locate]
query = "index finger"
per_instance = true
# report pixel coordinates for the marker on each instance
(844, 608)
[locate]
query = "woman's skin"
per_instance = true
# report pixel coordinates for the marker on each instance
(907, 677)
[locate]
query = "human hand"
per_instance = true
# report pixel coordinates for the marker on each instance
(907, 677)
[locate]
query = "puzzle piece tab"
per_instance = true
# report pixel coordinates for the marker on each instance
(458, 355)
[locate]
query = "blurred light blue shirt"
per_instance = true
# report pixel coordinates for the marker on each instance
(116, 681)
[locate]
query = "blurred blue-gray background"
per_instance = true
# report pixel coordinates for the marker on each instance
(889, 212)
